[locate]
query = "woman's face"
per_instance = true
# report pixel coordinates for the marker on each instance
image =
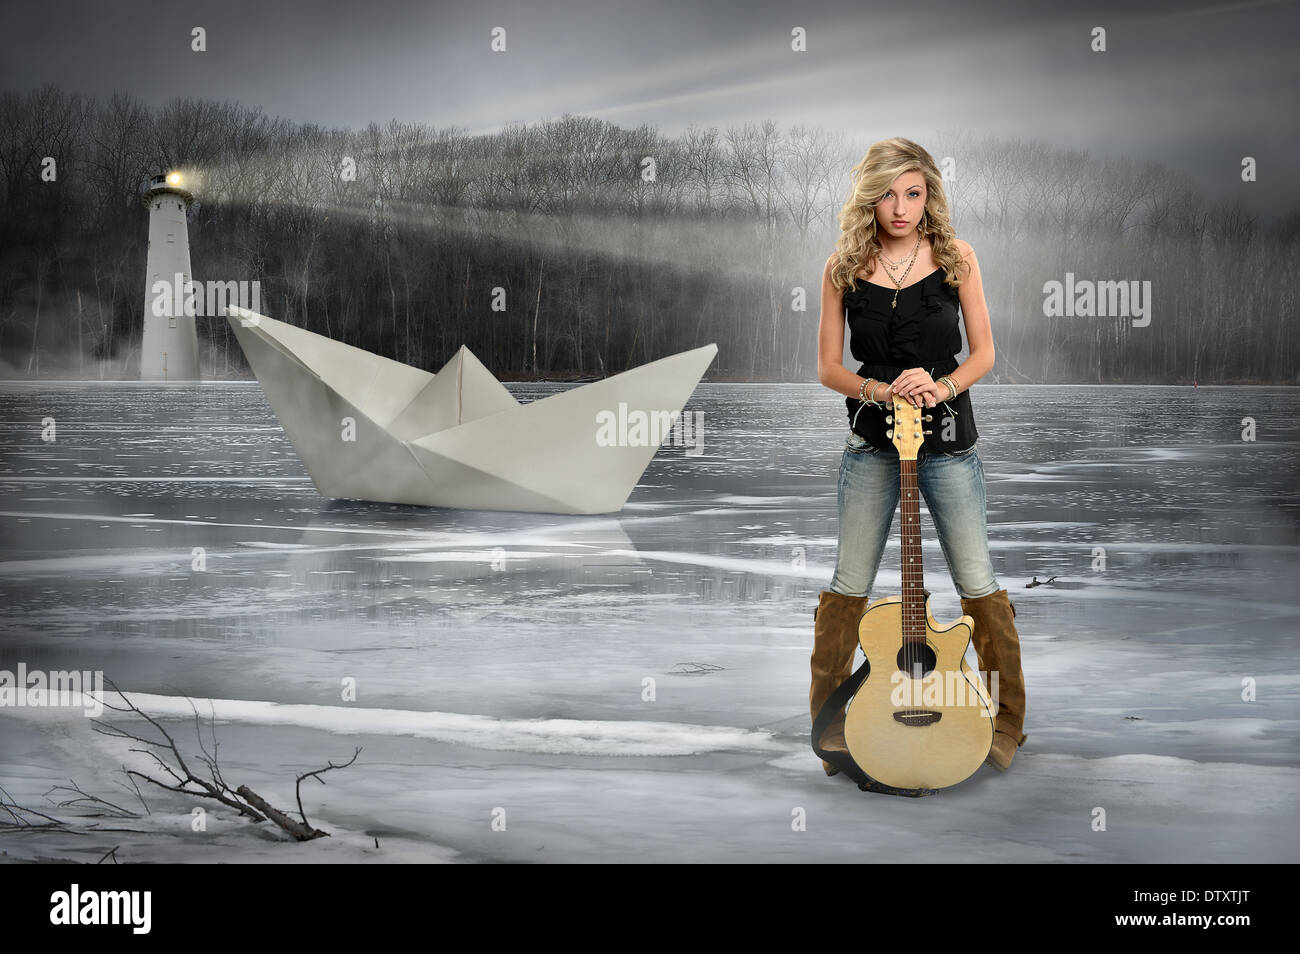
(900, 210)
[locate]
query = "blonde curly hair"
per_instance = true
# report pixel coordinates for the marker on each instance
(858, 245)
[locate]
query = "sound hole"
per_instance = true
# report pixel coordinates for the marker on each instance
(916, 659)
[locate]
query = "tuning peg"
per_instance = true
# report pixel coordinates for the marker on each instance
(928, 417)
(889, 419)
(927, 432)
(890, 433)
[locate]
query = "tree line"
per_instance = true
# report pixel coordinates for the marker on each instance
(576, 248)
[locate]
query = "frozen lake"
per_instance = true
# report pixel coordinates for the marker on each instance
(501, 660)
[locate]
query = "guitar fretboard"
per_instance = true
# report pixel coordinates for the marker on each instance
(913, 569)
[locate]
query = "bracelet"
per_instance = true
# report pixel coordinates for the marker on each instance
(862, 391)
(952, 386)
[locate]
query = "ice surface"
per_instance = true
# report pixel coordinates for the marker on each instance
(634, 686)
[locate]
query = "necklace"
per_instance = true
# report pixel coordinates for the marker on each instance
(898, 283)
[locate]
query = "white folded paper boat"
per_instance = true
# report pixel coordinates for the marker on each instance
(370, 428)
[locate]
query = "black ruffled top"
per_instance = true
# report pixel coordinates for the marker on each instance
(923, 331)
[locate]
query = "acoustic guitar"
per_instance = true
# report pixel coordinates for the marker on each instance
(922, 718)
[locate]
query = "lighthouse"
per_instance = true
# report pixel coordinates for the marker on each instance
(170, 348)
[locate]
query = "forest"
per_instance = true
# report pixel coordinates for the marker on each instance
(574, 248)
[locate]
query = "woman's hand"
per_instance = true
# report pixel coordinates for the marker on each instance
(918, 387)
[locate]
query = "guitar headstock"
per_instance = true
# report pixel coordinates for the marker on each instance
(908, 430)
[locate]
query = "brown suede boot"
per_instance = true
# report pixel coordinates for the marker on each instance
(835, 641)
(997, 644)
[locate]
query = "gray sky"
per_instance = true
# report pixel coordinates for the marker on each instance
(1195, 85)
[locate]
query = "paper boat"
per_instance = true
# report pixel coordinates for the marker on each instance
(370, 428)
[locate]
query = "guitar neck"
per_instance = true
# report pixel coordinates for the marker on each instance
(913, 568)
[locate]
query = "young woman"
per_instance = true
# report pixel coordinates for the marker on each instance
(897, 275)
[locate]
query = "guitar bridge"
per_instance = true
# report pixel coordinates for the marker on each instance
(917, 717)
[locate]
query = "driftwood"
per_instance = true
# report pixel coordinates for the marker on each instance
(302, 832)
(18, 820)
(214, 787)
(316, 774)
(177, 776)
(86, 799)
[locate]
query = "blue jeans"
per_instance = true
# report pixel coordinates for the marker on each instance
(953, 488)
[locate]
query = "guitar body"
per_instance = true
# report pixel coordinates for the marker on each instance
(912, 733)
